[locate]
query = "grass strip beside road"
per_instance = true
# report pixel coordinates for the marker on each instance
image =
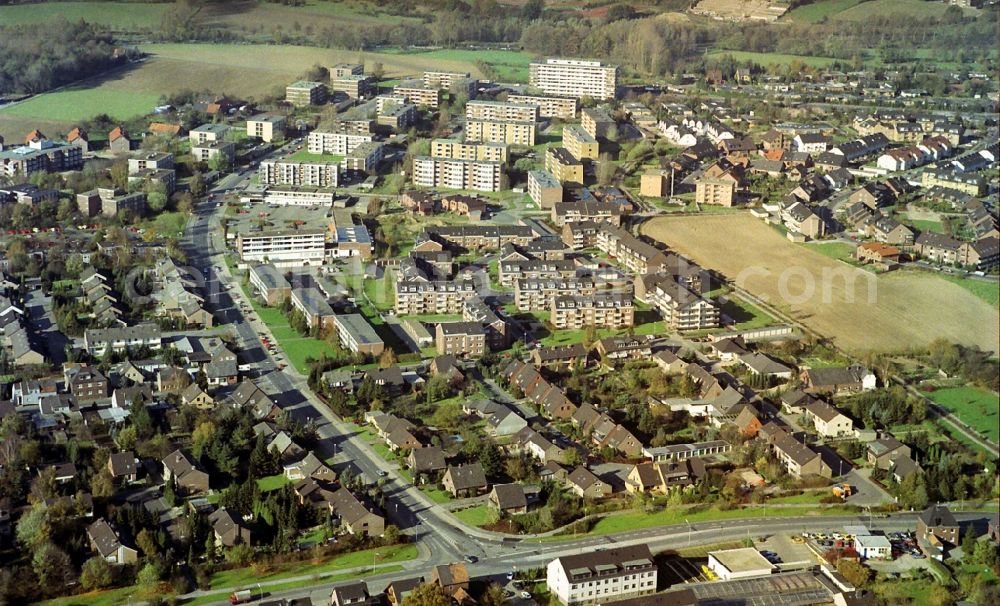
(637, 520)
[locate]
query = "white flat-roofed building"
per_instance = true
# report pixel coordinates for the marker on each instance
(316, 174)
(469, 150)
(501, 110)
(456, 174)
(574, 78)
(443, 80)
(512, 132)
(397, 116)
(600, 576)
(305, 93)
(415, 297)
(150, 160)
(573, 312)
(283, 247)
(549, 107)
(208, 132)
(729, 564)
(419, 94)
(338, 143)
(873, 547)
(304, 195)
(357, 335)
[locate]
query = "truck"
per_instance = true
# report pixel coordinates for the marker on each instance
(241, 597)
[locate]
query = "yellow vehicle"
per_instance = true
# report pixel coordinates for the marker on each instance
(798, 539)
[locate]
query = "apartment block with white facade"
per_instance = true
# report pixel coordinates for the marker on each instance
(596, 577)
(549, 107)
(511, 132)
(456, 174)
(414, 297)
(340, 143)
(317, 174)
(283, 247)
(501, 110)
(469, 150)
(573, 312)
(574, 78)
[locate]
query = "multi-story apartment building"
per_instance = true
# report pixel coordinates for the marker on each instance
(460, 339)
(345, 69)
(282, 247)
(718, 186)
(469, 150)
(340, 142)
(150, 160)
(207, 133)
(397, 116)
(574, 78)
(510, 271)
(563, 165)
(538, 294)
(365, 157)
(40, 155)
(579, 142)
(969, 183)
(304, 93)
(596, 121)
(681, 308)
(317, 174)
(384, 101)
(573, 312)
(357, 335)
(512, 132)
(600, 576)
(479, 237)
(501, 111)
(355, 86)
(549, 107)
(456, 174)
(498, 332)
(443, 80)
(209, 150)
(629, 251)
(419, 94)
(109, 202)
(311, 302)
(417, 296)
(269, 283)
(596, 211)
(545, 190)
(266, 127)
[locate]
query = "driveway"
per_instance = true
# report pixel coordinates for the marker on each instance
(867, 492)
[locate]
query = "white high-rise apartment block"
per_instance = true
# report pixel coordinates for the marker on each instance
(318, 174)
(574, 78)
(456, 174)
(341, 143)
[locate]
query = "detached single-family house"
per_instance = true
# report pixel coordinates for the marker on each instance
(509, 499)
(465, 480)
(228, 529)
(586, 485)
(108, 544)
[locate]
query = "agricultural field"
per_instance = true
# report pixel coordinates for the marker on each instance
(978, 408)
(240, 70)
(858, 10)
(740, 10)
(111, 14)
(859, 310)
(509, 65)
(835, 250)
(987, 291)
(818, 11)
(766, 59)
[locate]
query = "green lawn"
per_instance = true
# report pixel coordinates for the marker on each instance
(766, 59)
(78, 103)
(246, 576)
(811, 13)
(474, 516)
(303, 155)
(928, 225)
(272, 482)
(745, 314)
(111, 14)
(806, 498)
(987, 291)
(435, 494)
(296, 347)
(978, 408)
(635, 520)
(907, 9)
(835, 250)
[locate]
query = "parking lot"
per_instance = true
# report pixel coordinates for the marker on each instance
(787, 553)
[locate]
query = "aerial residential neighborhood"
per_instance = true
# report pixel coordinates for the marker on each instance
(499, 303)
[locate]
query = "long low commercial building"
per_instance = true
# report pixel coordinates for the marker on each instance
(357, 335)
(317, 174)
(290, 195)
(456, 174)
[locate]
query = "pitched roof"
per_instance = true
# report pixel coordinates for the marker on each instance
(510, 496)
(464, 477)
